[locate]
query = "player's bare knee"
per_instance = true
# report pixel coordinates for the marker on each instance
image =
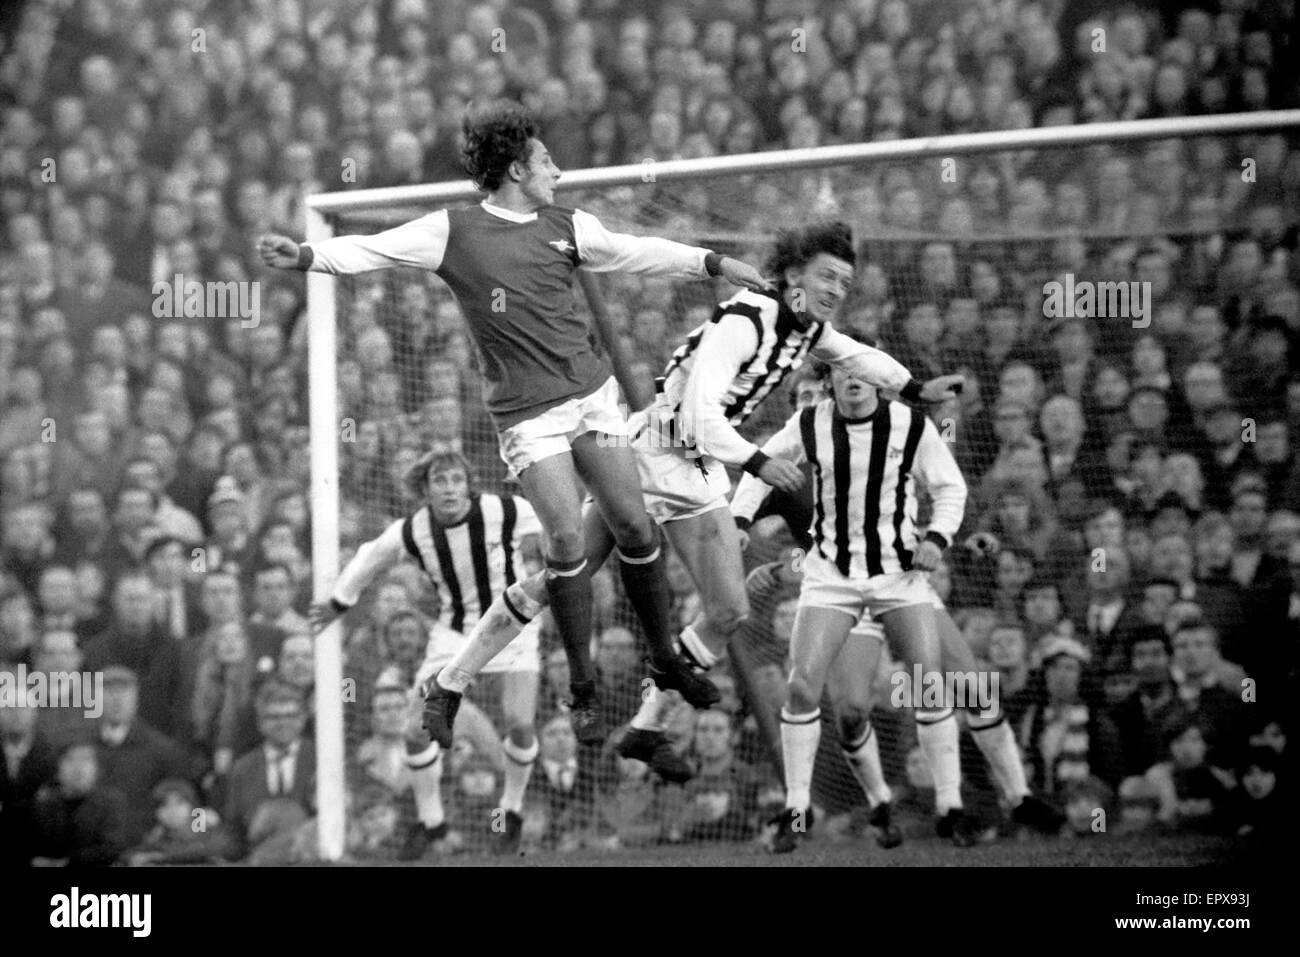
(853, 720)
(566, 544)
(800, 696)
(633, 530)
(522, 734)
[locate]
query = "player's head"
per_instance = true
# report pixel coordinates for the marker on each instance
(853, 397)
(814, 267)
(442, 477)
(502, 150)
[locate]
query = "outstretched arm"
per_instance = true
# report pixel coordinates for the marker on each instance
(877, 368)
(603, 251)
(371, 558)
(419, 243)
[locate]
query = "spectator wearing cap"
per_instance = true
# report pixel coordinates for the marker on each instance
(133, 756)
(75, 820)
(135, 640)
(176, 593)
(1066, 736)
(183, 831)
(231, 546)
(282, 767)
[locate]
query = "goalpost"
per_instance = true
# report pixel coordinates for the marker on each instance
(659, 198)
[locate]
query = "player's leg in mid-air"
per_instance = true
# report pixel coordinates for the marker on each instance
(615, 485)
(819, 634)
(850, 688)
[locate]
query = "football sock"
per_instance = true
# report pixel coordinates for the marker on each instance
(425, 765)
(800, 734)
(569, 586)
(936, 732)
(519, 768)
(863, 755)
(645, 579)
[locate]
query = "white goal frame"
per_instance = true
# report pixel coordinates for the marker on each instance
(321, 338)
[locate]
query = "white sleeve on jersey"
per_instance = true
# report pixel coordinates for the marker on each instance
(939, 472)
(603, 251)
(371, 558)
(724, 349)
(876, 368)
(752, 490)
(419, 243)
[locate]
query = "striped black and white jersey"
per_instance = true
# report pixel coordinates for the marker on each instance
(865, 477)
(730, 364)
(469, 562)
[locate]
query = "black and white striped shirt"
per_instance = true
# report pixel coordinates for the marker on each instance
(469, 562)
(730, 364)
(865, 473)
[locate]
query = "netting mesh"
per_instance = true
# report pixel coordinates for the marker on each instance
(954, 255)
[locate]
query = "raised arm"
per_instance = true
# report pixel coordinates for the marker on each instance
(877, 368)
(419, 243)
(785, 447)
(603, 251)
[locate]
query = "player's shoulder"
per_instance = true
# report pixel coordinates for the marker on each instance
(761, 310)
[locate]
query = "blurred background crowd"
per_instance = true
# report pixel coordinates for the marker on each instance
(1131, 557)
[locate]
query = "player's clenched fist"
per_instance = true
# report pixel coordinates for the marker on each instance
(742, 274)
(942, 387)
(278, 251)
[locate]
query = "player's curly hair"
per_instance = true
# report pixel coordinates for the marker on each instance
(796, 247)
(496, 135)
(439, 459)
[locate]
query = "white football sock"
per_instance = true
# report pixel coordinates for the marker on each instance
(864, 761)
(936, 732)
(800, 735)
(498, 626)
(998, 745)
(519, 768)
(426, 782)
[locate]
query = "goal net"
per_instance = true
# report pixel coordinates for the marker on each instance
(976, 254)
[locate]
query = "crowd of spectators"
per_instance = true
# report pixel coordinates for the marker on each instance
(1132, 549)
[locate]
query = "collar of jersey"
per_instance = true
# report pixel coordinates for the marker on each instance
(786, 320)
(473, 505)
(502, 213)
(880, 408)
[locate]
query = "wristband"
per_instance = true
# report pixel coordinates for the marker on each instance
(305, 257)
(339, 607)
(912, 391)
(755, 463)
(937, 539)
(713, 263)
(743, 523)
